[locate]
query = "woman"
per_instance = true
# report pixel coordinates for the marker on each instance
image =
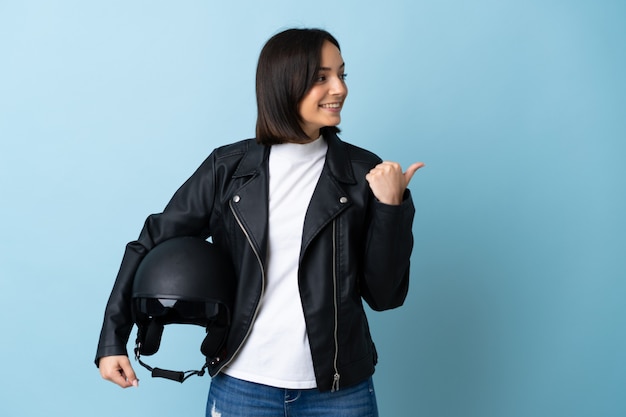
(314, 226)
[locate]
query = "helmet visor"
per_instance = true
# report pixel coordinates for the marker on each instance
(183, 309)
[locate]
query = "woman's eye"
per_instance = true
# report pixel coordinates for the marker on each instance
(322, 78)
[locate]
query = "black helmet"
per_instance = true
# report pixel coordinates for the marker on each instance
(184, 280)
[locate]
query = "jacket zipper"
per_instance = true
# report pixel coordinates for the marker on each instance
(256, 311)
(336, 376)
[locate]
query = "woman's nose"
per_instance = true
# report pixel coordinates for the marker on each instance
(338, 87)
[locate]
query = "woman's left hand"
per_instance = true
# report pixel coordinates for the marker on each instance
(388, 182)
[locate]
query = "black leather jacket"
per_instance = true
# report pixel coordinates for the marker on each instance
(353, 248)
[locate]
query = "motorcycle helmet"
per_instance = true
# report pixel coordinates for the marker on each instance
(184, 280)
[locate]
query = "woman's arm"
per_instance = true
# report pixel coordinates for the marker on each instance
(186, 214)
(389, 240)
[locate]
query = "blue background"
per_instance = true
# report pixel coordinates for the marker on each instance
(516, 306)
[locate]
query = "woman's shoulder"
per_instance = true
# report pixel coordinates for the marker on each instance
(235, 149)
(238, 158)
(358, 154)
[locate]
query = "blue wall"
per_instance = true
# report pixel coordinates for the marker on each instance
(517, 107)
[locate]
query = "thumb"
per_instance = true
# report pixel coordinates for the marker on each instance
(411, 170)
(117, 369)
(129, 373)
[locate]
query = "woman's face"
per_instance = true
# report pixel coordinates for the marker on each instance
(321, 106)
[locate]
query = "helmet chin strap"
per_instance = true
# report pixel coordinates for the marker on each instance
(178, 376)
(149, 339)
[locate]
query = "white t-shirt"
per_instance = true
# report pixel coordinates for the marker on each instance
(277, 351)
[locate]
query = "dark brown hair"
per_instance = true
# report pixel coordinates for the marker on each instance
(287, 69)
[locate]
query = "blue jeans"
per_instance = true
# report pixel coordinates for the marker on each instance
(231, 397)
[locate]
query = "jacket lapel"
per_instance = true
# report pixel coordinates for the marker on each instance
(249, 202)
(329, 198)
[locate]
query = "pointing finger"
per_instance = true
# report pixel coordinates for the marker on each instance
(411, 170)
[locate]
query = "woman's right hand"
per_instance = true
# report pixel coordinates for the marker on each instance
(118, 370)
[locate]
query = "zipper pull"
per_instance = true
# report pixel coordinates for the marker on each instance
(335, 383)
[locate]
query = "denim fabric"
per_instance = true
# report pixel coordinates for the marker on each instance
(231, 397)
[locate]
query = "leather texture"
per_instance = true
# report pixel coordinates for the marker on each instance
(354, 248)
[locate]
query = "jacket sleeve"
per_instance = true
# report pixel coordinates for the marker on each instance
(388, 247)
(187, 214)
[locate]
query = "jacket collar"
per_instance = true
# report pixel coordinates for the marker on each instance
(253, 156)
(337, 159)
